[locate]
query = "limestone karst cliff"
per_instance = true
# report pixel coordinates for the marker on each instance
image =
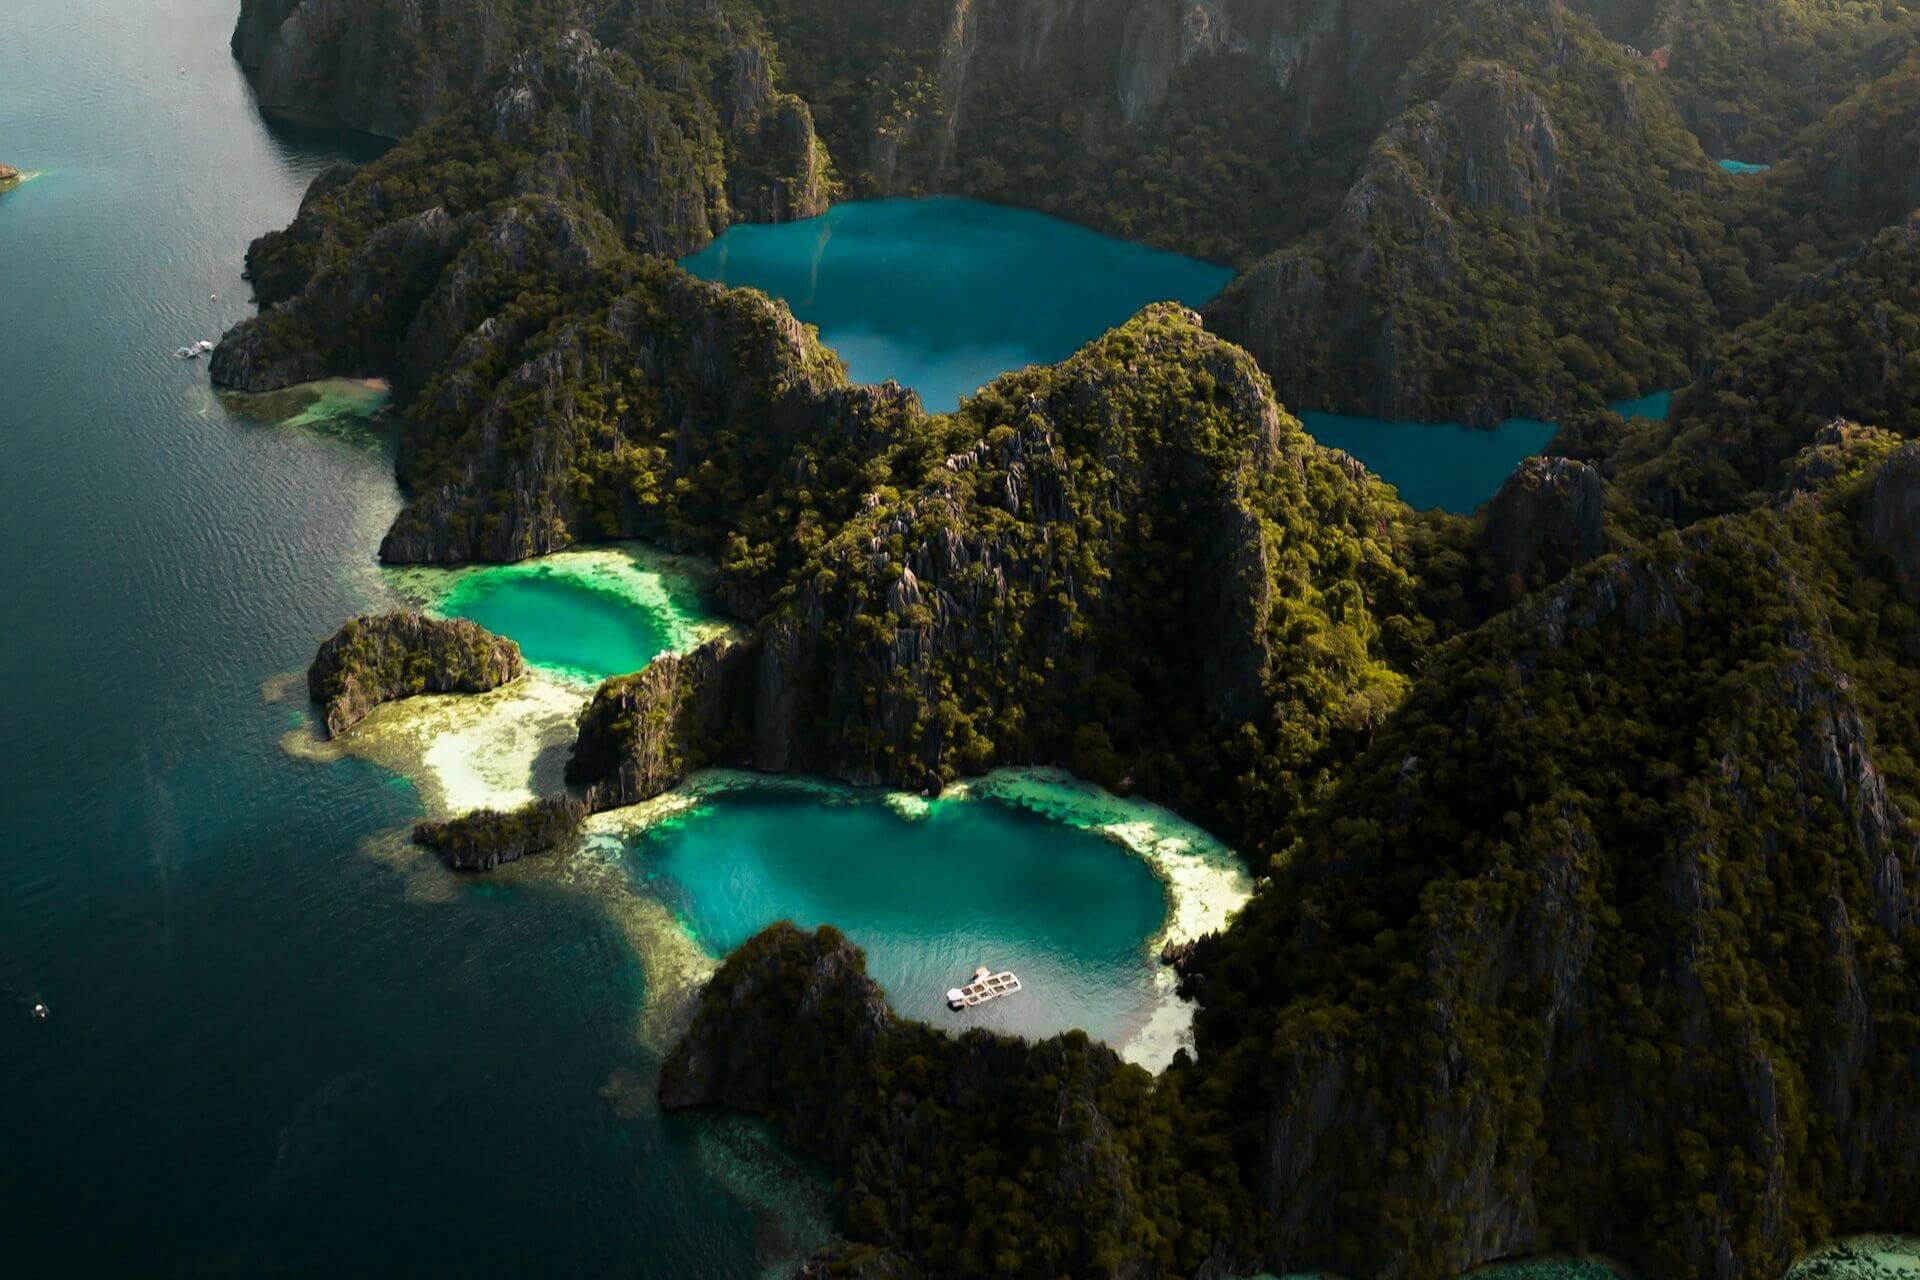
(379, 658)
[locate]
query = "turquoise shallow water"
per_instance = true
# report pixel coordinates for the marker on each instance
(563, 625)
(1743, 166)
(944, 295)
(929, 896)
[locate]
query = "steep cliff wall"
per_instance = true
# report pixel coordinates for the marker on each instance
(1581, 999)
(1134, 562)
(1842, 344)
(1463, 274)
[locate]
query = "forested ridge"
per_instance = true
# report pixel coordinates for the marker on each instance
(1585, 825)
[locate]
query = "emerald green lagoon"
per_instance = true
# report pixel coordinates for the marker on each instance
(943, 295)
(581, 615)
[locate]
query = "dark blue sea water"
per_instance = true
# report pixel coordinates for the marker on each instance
(267, 1053)
(261, 1056)
(944, 295)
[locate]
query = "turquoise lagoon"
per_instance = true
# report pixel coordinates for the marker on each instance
(585, 614)
(1743, 166)
(944, 294)
(1029, 870)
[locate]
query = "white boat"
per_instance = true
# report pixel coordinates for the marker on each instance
(195, 351)
(984, 987)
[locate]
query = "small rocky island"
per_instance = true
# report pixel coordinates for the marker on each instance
(487, 838)
(378, 658)
(10, 177)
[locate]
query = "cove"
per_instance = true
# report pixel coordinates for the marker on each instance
(583, 615)
(1072, 888)
(945, 294)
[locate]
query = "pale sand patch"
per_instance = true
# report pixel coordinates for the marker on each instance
(464, 751)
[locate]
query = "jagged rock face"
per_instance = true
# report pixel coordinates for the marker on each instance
(334, 326)
(643, 733)
(380, 66)
(1547, 518)
(1841, 344)
(1514, 131)
(488, 838)
(624, 421)
(380, 657)
(985, 617)
(1582, 969)
(983, 96)
(676, 144)
(1891, 511)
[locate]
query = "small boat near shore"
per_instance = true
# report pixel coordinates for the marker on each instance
(984, 987)
(195, 351)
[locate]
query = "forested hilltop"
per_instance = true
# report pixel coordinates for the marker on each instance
(1587, 825)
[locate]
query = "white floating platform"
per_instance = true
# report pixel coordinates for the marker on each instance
(984, 987)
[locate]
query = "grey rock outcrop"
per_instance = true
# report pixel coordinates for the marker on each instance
(1547, 518)
(643, 733)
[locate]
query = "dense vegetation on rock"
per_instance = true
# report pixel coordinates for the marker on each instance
(976, 1156)
(379, 658)
(1030, 589)
(486, 838)
(1615, 903)
(1589, 836)
(1747, 75)
(1844, 344)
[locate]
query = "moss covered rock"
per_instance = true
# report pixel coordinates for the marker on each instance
(486, 838)
(380, 657)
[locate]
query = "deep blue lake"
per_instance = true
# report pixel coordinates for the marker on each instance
(945, 294)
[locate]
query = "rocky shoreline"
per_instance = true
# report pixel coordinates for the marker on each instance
(381, 657)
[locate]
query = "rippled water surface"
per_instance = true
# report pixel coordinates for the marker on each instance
(263, 1053)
